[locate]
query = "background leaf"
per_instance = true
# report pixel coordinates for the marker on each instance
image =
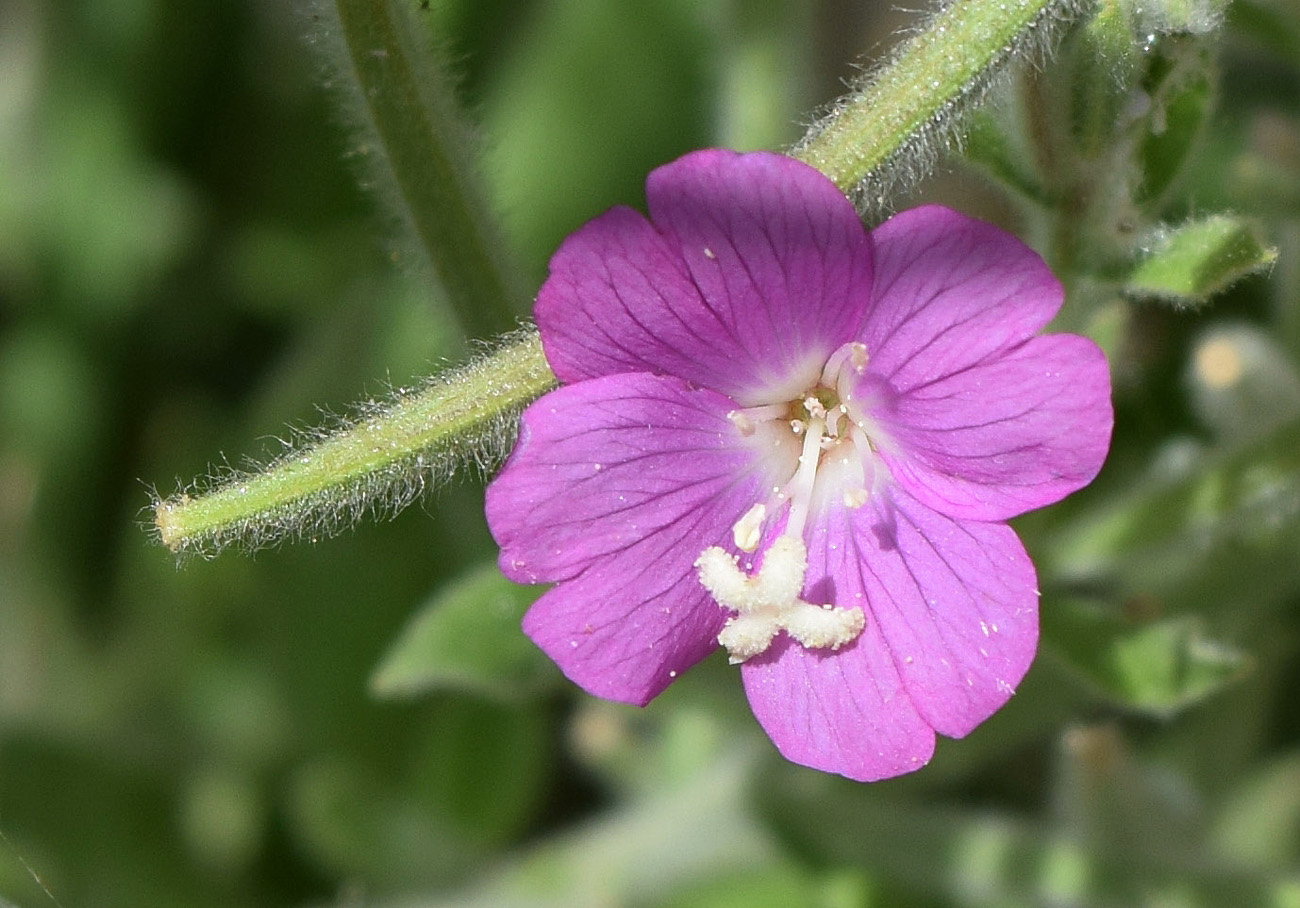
(467, 638)
(1193, 261)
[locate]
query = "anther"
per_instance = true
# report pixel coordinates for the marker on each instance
(858, 357)
(742, 422)
(855, 498)
(749, 529)
(855, 353)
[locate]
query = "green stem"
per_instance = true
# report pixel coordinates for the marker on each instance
(894, 126)
(408, 101)
(379, 462)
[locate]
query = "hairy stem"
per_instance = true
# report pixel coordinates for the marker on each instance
(377, 463)
(407, 100)
(892, 128)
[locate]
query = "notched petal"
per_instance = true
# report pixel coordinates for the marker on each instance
(755, 269)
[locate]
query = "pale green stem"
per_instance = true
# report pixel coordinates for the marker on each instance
(408, 100)
(377, 463)
(383, 460)
(895, 125)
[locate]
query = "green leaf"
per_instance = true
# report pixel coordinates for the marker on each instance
(1181, 84)
(777, 886)
(1269, 26)
(970, 856)
(1172, 664)
(1219, 540)
(1191, 263)
(639, 853)
(349, 825)
(991, 146)
(467, 638)
(1156, 668)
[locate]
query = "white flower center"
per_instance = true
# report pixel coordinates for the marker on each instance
(834, 441)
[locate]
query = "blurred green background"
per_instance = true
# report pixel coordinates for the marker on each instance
(190, 266)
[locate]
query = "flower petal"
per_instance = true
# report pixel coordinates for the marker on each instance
(756, 268)
(1006, 435)
(951, 291)
(956, 602)
(626, 628)
(952, 625)
(615, 487)
(844, 712)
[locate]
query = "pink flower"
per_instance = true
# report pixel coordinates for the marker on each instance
(779, 432)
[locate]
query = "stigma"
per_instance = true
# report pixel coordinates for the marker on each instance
(768, 602)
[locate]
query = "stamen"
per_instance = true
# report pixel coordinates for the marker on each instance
(821, 626)
(745, 636)
(854, 352)
(858, 358)
(726, 582)
(866, 456)
(744, 424)
(855, 498)
(760, 413)
(816, 409)
(749, 528)
(801, 487)
(833, 420)
(767, 602)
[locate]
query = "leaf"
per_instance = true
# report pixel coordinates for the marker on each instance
(1189, 264)
(1179, 87)
(1219, 540)
(467, 638)
(990, 145)
(350, 825)
(971, 856)
(639, 853)
(485, 765)
(1157, 668)
(778, 886)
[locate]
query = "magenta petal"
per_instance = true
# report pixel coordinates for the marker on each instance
(625, 629)
(952, 625)
(603, 465)
(755, 270)
(951, 291)
(844, 712)
(619, 299)
(956, 602)
(1005, 435)
(615, 487)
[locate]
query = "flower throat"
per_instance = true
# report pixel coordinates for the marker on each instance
(833, 440)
